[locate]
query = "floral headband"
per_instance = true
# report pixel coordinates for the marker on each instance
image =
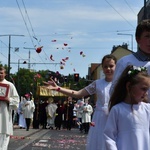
(134, 70)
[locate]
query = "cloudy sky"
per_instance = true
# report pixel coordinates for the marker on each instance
(74, 33)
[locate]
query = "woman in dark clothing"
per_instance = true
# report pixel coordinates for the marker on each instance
(69, 113)
(43, 115)
(59, 114)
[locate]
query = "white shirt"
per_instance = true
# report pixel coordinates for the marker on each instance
(123, 63)
(128, 129)
(6, 126)
(28, 109)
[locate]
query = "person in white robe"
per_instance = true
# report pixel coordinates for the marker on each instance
(139, 58)
(22, 121)
(128, 123)
(79, 113)
(86, 115)
(51, 113)
(8, 102)
(28, 110)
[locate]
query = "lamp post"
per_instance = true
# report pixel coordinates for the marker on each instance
(9, 47)
(29, 55)
(131, 39)
(24, 62)
(145, 10)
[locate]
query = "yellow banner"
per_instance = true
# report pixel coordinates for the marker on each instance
(42, 91)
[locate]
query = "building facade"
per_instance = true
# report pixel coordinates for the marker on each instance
(144, 13)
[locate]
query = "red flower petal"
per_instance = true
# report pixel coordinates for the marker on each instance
(81, 53)
(39, 49)
(92, 124)
(65, 44)
(57, 73)
(66, 58)
(51, 58)
(61, 67)
(53, 41)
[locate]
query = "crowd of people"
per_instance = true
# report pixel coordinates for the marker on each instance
(121, 119)
(56, 115)
(66, 114)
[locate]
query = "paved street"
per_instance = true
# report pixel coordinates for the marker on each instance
(43, 139)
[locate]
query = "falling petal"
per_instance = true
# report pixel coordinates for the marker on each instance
(57, 73)
(65, 44)
(53, 40)
(62, 63)
(66, 58)
(81, 53)
(61, 67)
(39, 49)
(92, 124)
(37, 75)
(51, 58)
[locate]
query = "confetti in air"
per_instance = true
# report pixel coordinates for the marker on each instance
(65, 44)
(51, 57)
(39, 49)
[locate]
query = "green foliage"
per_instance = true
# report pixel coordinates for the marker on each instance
(27, 81)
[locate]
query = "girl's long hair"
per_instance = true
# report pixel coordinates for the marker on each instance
(120, 90)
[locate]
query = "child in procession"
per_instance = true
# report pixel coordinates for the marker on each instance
(128, 123)
(100, 87)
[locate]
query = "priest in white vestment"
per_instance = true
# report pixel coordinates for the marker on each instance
(9, 100)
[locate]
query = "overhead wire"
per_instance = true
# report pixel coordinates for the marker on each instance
(119, 14)
(7, 47)
(34, 45)
(25, 22)
(5, 55)
(1, 52)
(34, 36)
(28, 18)
(96, 32)
(130, 7)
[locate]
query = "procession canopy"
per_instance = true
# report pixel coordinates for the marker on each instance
(43, 91)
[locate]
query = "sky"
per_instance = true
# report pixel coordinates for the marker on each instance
(72, 33)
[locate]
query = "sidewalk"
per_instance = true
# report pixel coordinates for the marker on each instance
(22, 138)
(22, 133)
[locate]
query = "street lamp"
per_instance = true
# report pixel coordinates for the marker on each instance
(9, 47)
(131, 39)
(24, 62)
(29, 55)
